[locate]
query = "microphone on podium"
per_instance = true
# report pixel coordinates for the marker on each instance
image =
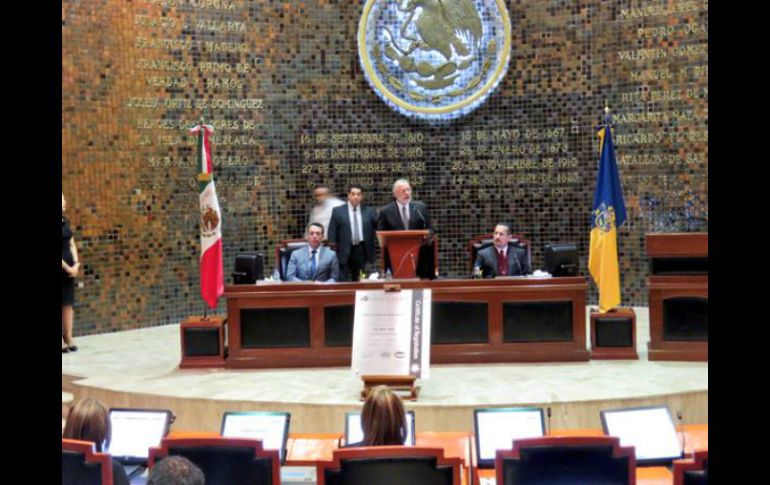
(679, 418)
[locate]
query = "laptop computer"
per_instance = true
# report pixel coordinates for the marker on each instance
(497, 428)
(650, 430)
(354, 433)
(272, 427)
(134, 432)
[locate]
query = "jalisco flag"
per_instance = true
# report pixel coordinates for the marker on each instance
(212, 273)
(609, 213)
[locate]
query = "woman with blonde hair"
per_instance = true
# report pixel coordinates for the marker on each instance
(88, 420)
(383, 418)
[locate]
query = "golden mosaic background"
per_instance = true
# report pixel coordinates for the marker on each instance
(291, 107)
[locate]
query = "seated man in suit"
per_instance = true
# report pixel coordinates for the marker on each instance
(314, 262)
(502, 259)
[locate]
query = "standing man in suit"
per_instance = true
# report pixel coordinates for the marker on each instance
(314, 262)
(324, 203)
(502, 258)
(407, 214)
(352, 230)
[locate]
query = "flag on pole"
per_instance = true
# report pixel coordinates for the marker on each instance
(211, 270)
(609, 213)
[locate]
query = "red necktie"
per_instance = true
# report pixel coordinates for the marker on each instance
(502, 264)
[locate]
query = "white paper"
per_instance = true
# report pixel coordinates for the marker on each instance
(391, 333)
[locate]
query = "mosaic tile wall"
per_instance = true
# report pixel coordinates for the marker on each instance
(281, 83)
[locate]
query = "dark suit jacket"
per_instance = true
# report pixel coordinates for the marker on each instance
(390, 218)
(340, 234)
(486, 259)
(419, 218)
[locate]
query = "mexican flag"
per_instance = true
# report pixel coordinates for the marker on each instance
(212, 273)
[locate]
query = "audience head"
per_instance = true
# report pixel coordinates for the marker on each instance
(402, 191)
(314, 234)
(355, 195)
(383, 418)
(88, 420)
(175, 470)
(502, 235)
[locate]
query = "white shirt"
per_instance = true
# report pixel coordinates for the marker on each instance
(358, 218)
(322, 213)
(401, 208)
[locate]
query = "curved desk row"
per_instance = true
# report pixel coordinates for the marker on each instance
(473, 321)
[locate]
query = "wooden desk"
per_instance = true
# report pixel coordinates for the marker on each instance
(678, 296)
(305, 449)
(474, 321)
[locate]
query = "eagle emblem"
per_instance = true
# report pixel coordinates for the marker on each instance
(434, 58)
(209, 221)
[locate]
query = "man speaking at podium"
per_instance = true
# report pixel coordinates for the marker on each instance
(407, 214)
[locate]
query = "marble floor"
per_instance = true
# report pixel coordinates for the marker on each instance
(139, 368)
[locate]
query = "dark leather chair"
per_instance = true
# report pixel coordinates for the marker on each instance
(81, 465)
(485, 240)
(692, 471)
(389, 465)
(224, 461)
(563, 460)
(283, 253)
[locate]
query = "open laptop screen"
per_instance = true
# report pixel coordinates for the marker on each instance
(135, 431)
(354, 433)
(271, 427)
(497, 428)
(650, 430)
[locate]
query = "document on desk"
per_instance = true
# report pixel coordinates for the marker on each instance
(391, 333)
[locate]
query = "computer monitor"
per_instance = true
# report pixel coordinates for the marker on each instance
(354, 433)
(497, 428)
(272, 427)
(561, 259)
(650, 430)
(249, 267)
(135, 431)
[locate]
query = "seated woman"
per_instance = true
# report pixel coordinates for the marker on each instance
(383, 419)
(88, 420)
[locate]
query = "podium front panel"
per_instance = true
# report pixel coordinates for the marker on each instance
(615, 332)
(459, 322)
(338, 325)
(201, 341)
(537, 322)
(264, 328)
(686, 319)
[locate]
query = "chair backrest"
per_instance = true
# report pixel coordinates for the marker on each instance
(385, 465)
(560, 459)
(485, 240)
(692, 471)
(224, 461)
(81, 465)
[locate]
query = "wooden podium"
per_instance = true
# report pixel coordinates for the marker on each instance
(403, 249)
(678, 296)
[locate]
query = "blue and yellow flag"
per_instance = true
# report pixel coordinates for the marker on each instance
(609, 213)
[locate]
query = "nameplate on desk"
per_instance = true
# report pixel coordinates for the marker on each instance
(298, 474)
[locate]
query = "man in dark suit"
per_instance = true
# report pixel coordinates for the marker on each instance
(313, 262)
(352, 229)
(502, 258)
(407, 214)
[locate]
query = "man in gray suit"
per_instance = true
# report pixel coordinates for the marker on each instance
(352, 230)
(502, 259)
(314, 262)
